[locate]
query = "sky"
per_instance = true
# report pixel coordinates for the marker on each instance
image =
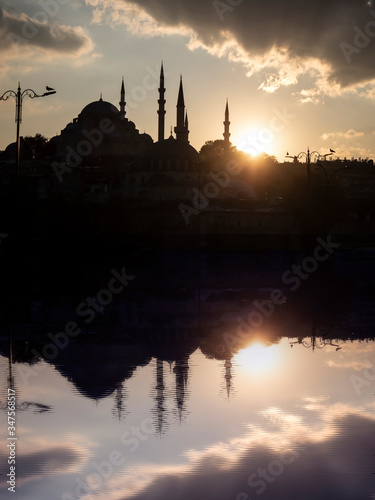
(296, 74)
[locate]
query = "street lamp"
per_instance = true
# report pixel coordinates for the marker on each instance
(309, 155)
(315, 343)
(18, 97)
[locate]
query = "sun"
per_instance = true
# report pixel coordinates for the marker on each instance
(257, 358)
(256, 140)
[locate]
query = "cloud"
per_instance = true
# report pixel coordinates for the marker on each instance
(37, 465)
(360, 347)
(333, 42)
(349, 134)
(354, 365)
(22, 36)
(320, 463)
(137, 20)
(314, 403)
(307, 460)
(352, 152)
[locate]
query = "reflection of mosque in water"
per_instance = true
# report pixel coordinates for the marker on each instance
(99, 366)
(99, 370)
(168, 313)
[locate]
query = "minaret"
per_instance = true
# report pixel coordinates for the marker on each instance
(122, 101)
(226, 128)
(161, 101)
(180, 130)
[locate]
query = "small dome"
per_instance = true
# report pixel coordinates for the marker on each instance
(11, 149)
(146, 138)
(173, 149)
(72, 127)
(170, 154)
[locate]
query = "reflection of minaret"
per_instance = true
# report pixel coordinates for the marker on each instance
(122, 101)
(226, 128)
(10, 374)
(12, 390)
(181, 370)
(228, 376)
(181, 131)
(160, 409)
(119, 409)
(161, 101)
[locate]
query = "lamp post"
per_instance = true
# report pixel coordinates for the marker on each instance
(309, 155)
(315, 343)
(18, 96)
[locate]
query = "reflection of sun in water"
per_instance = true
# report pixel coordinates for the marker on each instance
(257, 358)
(256, 140)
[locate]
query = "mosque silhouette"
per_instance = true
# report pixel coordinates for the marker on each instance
(164, 186)
(102, 137)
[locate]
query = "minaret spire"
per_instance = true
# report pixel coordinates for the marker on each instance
(226, 128)
(161, 101)
(122, 101)
(180, 129)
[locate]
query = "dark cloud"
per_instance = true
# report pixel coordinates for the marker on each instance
(338, 466)
(35, 465)
(19, 31)
(327, 31)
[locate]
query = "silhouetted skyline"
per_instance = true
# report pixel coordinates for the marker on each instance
(91, 56)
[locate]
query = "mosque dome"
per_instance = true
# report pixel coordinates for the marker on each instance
(98, 110)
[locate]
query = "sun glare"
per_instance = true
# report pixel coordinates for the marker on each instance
(257, 358)
(256, 140)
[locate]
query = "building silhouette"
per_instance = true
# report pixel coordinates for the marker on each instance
(100, 172)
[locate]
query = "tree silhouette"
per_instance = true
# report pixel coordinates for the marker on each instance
(212, 149)
(35, 146)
